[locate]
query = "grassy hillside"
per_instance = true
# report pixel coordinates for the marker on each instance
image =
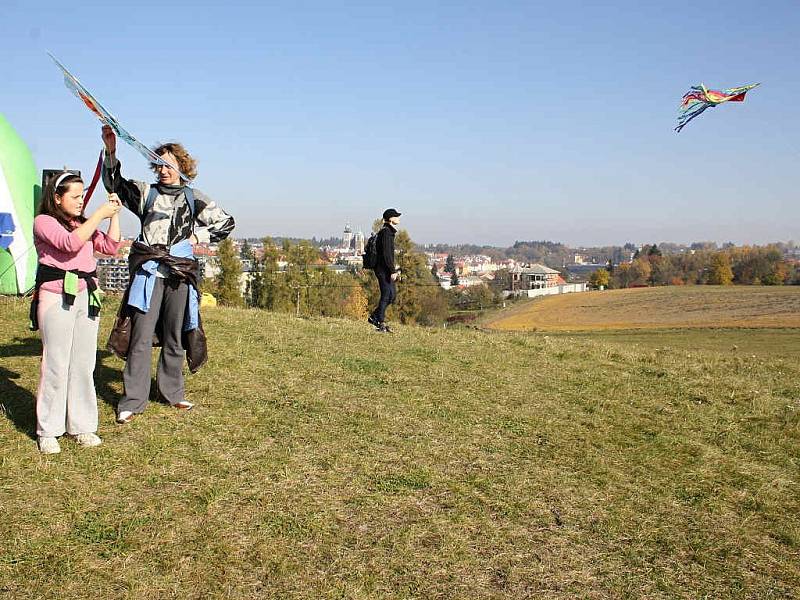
(766, 344)
(656, 308)
(324, 461)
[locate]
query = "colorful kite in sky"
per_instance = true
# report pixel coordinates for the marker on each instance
(699, 98)
(107, 118)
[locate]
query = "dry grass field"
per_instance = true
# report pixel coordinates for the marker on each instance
(656, 308)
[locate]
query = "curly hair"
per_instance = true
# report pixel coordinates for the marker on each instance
(186, 164)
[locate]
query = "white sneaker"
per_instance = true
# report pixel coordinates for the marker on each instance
(49, 445)
(124, 416)
(88, 440)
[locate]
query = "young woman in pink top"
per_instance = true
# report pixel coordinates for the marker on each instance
(65, 308)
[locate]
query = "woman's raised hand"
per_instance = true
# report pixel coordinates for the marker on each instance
(109, 139)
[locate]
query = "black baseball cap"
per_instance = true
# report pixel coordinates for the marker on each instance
(389, 213)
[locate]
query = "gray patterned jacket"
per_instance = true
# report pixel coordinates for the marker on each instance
(170, 219)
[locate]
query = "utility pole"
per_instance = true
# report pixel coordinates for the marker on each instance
(296, 287)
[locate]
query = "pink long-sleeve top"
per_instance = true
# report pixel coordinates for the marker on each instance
(58, 247)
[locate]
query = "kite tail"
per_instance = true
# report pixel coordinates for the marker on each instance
(95, 178)
(690, 114)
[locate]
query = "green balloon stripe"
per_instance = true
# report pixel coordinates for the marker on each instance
(22, 181)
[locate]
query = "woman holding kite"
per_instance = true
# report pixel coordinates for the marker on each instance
(162, 296)
(66, 307)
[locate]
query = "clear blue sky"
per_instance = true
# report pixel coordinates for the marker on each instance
(484, 122)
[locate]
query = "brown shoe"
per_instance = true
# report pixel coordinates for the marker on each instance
(183, 405)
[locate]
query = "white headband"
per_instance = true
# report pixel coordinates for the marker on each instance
(61, 178)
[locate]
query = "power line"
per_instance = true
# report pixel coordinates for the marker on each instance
(325, 285)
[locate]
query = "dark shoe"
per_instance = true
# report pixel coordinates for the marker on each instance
(371, 320)
(385, 328)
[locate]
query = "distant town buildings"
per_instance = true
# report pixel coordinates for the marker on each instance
(538, 280)
(347, 237)
(534, 277)
(349, 253)
(359, 242)
(112, 271)
(519, 279)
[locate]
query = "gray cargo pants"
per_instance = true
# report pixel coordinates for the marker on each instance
(169, 304)
(65, 399)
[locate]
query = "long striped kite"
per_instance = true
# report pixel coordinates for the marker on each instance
(699, 98)
(77, 88)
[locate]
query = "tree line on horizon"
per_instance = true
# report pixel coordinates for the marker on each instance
(739, 265)
(556, 254)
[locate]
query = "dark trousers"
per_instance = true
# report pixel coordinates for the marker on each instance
(168, 303)
(388, 294)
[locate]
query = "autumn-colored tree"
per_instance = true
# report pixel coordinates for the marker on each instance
(356, 304)
(665, 269)
(720, 272)
(758, 265)
(599, 278)
(622, 276)
(641, 270)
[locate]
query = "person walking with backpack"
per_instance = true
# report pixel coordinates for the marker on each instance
(385, 271)
(162, 294)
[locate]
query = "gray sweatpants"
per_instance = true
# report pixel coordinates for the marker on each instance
(66, 400)
(169, 303)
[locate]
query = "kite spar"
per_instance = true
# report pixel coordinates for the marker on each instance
(77, 88)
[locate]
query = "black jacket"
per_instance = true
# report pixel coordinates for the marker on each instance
(384, 244)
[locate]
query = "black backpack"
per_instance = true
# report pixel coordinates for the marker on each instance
(370, 256)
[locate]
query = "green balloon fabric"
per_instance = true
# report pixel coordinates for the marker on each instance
(19, 197)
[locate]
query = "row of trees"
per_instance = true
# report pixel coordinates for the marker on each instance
(306, 286)
(548, 253)
(743, 265)
(555, 255)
